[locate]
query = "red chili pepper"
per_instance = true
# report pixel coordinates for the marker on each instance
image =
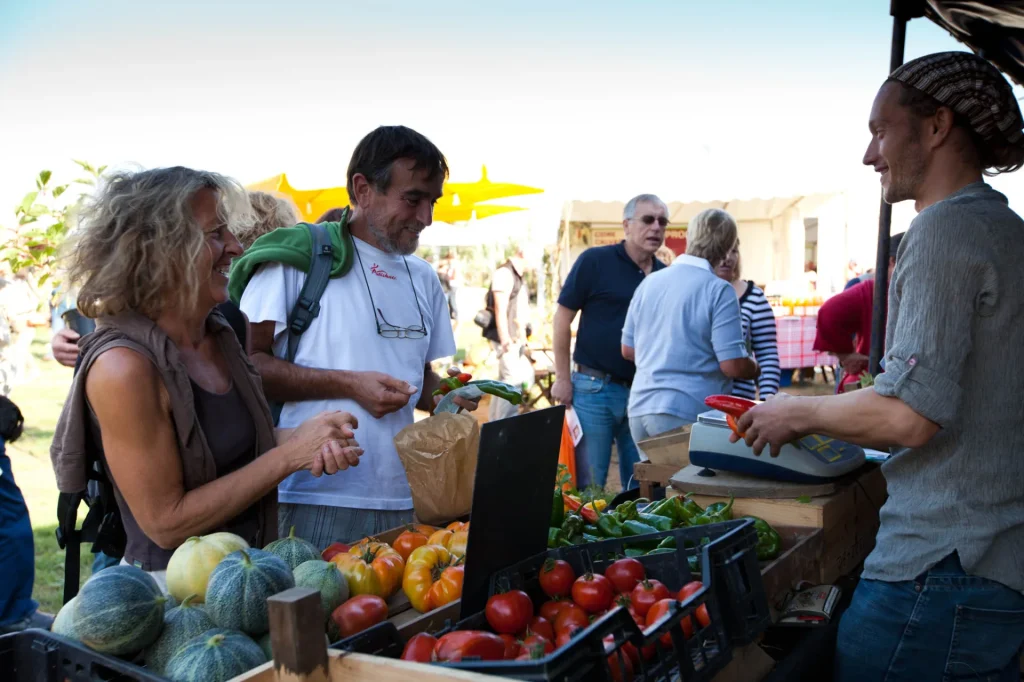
(445, 389)
(588, 513)
(733, 407)
(465, 378)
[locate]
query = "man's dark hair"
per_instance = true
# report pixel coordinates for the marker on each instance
(996, 154)
(11, 421)
(332, 216)
(377, 152)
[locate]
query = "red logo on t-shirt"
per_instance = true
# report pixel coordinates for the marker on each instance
(381, 272)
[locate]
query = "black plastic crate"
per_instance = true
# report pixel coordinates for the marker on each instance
(732, 592)
(41, 656)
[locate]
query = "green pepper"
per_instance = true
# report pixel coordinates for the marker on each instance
(499, 389)
(665, 508)
(661, 550)
(659, 522)
(715, 513)
(630, 528)
(669, 542)
(691, 508)
(557, 510)
(769, 544)
(572, 525)
(587, 537)
(609, 526)
(634, 553)
(577, 539)
(591, 529)
(556, 538)
(627, 511)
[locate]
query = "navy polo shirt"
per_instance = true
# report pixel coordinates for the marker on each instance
(601, 285)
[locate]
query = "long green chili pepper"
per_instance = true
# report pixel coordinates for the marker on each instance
(659, 522)
(661, 550)
(664, 507)
(499, 389)
(587, 537)
(556, 538)
(689, 507)
(630, 528)
(669, 542)
(609, 526)
(715, 513)
(626, 511)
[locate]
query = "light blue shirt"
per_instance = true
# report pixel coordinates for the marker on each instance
(682, 322)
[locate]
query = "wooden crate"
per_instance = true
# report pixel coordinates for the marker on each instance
(666, 454)
(800, 560)
(650, 476)
(848, 518)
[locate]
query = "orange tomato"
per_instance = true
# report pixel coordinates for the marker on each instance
(442, 537)
(457, 526)
(457, 544)
(448, 588)
(409, 540)
(421, 528)
(372, 568)
(431, 578)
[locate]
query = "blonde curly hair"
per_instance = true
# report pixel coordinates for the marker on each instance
(137, 242)
(271, 212)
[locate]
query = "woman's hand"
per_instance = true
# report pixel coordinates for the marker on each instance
(324, 444)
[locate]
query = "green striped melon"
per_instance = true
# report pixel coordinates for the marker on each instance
(215, 656)
(64, 623)
(190, 566)
(328, 579)
(119, 611)
(268, 650)
(293, 550)
(236, 596)
(182, 624)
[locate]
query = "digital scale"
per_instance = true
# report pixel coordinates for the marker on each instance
(812, 459)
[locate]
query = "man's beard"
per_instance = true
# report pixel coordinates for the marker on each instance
(389, 244)
(911, 170)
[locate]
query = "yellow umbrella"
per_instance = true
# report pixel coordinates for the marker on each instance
(460, 200)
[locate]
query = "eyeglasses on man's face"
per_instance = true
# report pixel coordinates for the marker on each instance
(650, 220)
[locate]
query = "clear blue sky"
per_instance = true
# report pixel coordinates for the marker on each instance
(590, 100)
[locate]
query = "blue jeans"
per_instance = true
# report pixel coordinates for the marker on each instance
(943, 625)
(17, 549)
(601, 408)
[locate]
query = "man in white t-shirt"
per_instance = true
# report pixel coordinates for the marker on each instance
(368, 351)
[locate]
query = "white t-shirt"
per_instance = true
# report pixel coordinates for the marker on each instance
(344, 337)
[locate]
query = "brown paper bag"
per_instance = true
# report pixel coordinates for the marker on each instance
(439, 456)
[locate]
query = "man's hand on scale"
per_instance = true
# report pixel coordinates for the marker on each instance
(768, 424)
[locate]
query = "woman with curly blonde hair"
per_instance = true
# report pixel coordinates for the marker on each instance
(164, 384)
(270, 213)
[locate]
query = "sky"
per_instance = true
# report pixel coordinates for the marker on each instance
(594, 100)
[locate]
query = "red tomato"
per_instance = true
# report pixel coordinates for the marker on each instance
(537, 646)
(333, 550)
(592, 592)
(646, 593)
(571, 615)
(689, 589)
(625, 574)
(359, 613)
(658, 612)
(509, 612)
(549, 610)
(564, 636)
(626, 602)
(512, 647)
(470, 644)
(420, 648)
(556, 578)
(541, 626)
(627, 648)
(621, 668)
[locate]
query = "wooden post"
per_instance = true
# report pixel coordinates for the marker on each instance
(297, 636)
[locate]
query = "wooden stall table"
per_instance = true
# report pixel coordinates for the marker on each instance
(666, 454)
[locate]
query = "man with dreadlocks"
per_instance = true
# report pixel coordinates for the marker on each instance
(941, 593)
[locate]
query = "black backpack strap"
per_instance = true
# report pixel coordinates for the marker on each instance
(307, 307)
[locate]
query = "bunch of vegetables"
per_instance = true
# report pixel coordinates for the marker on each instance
(576, 523)
(463, 385)
(522, 632)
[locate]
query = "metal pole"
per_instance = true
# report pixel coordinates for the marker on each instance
(879, 305)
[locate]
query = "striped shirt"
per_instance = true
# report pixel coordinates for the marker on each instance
(760, 334)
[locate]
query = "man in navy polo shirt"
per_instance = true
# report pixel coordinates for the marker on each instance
(601, 285)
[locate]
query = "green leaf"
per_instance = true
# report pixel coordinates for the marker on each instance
(803, 499)
(86, 181)
(27, 202)
(99, 171)
(44, 176)
(42, 280)
(38, 210)
(58, 190)
(85, 165)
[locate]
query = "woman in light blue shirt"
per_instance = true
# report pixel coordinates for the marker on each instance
(684, 333)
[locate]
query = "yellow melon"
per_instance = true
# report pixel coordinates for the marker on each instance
(192, 563)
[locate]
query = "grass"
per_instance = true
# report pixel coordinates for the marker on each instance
(40, 400)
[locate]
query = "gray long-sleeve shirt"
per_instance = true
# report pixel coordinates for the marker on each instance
(953, 354)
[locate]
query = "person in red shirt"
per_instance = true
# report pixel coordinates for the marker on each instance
(844, 326)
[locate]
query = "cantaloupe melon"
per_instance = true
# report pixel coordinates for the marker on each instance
(293, 550)
(328, 579)
(215, 656)
(236, 596)
(119, 611)
(182, 624)
(64, 623)
(190, 566)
